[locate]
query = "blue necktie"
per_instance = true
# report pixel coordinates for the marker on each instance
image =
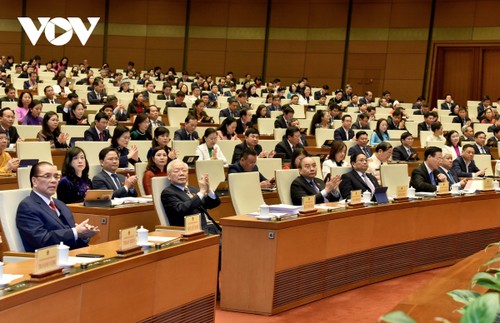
(450, 177)
(117, 182)
(433, 181)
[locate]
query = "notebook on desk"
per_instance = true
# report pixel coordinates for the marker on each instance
(98, 198)
(190, 160)
(380, 195)
(27, 162)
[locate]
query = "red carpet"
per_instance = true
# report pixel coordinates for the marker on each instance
(365, 304)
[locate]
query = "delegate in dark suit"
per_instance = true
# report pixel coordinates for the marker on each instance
(39, 226)
(173, 104)
(102, 181)
(340, 134)
(181, 134)
(351, 181)
(283, 147)
(477, 151)
(460, 168)
(280, 122)
(451, 176)
(463, 121)
(399, 153)
(447, 106)
(93, 99)
(237, 168)
(46, 100)
(422, 126)
(421, 181)
(12, 135)
(357, 149)
(238, 150)
(91, 135)
(300, 187)
(178, 204)
(226, 113)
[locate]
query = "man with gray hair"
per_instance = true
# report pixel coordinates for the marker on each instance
(179, 199)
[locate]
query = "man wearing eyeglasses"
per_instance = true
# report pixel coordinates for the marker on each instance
(43, 221)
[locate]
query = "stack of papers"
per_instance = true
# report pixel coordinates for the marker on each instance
(130, 200)
(285, 208)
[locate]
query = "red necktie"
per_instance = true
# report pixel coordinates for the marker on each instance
(52, 206)
(100, 136)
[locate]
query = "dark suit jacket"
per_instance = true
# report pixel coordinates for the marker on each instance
(421, 181)
(357, 149)
(300, 187)
(363, 100)
(12, 135)
(444, 106)
(399, 153)
(92, 97)
(237, 168)
(181, 134)
(460, 120)
(46, 100)
(227, 113)
(238, 150)
(91, 134)
(40, 227)
(392, 125)
(5, 99)
(339, 134)
(280, 122)
(102, 181)
(172, 104)
(178, 204)
(451, 173)
(284, 148)
(477, 152)
(422, 126)
(241, 128)
(357, 126)
(317, 95)
(351, 181)
(461, 170)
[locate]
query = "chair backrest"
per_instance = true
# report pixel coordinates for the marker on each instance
(176, 116)
(266, 126)
(394, 175)
(140, 168)
(423, 137)
(34, 150)
(268, 145)
(9, 201)
(74, 131)
(435, 143)
(185, 147)
(92, 149)
(157, 186)
(94, 169)
(484, 161)
(481, 127)
(322, 135)
(143, 146)
(245, 192)
(284, 179)
(214, 169)
(227, 148)
(28, 132)
(23, 177)
(268, 166)
(279, 133)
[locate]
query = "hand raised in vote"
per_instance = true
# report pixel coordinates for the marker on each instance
(133, 153)
(204, 184)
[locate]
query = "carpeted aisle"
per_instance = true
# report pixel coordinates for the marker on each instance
(365, 304)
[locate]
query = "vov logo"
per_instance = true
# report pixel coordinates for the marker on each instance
(49, 25)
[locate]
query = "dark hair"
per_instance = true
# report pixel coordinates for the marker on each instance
(360, 133)
(290, 131)
(105, 151)
(139, 118)
(247, 152)
(496, 130)
(448, 138)
(436, 126)
(33, 104)
(405, 135)
(384, 146)
(251, 131)
(119, 131)
(297, 152)
(9, 88)
(223, 126)
(190, 117)
(354, 157)
(287, 110)
(345, 116)
(380, 135)
(362, 116)
(44, 89)
(259, 110)
(467, 146)
(69, 171)
(208, 132)
(158, 132)
(20, 99)
(49, 135)
(478, 133)
(431, 151)
(151, 164)
(197, 102)
(337, 147)
(134, 99)
(101, 115)
(35, 168)
(5, 109)
(316, 119)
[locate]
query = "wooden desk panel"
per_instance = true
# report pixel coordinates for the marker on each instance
(269, 267)
(157, 285)
(226, 207)
(8, 183)
(111, 220)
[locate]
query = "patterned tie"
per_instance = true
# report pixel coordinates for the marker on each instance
(450, 177)
(117, 182)
(369, 183)
(314, 186)
(188, 192)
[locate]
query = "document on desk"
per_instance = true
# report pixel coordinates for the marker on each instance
(130, 200)
(160, 239)
(284, 208)
(80, 260)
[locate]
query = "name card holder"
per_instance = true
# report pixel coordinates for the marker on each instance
(192, 228)
(443, 189)
(401, 194)
(488, 185)
(46, 267)
(356, 202)
(128, 243)
(308, 206)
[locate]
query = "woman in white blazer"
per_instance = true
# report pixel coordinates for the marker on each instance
(335, 158)
(452, 146)
(209, 149)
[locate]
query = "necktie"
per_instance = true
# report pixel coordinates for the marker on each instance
(483, 151)
(117, 182)
(365, 151)
(53, 206)
(190, 137)
(314, 186)
(369, 183)
(433, 181)
(450, 177)
(101, 137)
(188, 192)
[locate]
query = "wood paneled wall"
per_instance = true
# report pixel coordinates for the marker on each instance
(387, 47)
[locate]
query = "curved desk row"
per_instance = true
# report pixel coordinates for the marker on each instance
(175, 284)
(269, 267)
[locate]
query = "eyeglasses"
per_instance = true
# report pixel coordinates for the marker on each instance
(50, 176)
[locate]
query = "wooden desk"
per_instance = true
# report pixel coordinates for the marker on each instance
(270, 267)
(431, 301)
(111, 220)
(226, 208)
(172, 284)
(8, 183)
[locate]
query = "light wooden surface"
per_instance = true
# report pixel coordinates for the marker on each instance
(130, 290)
(269, 267)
